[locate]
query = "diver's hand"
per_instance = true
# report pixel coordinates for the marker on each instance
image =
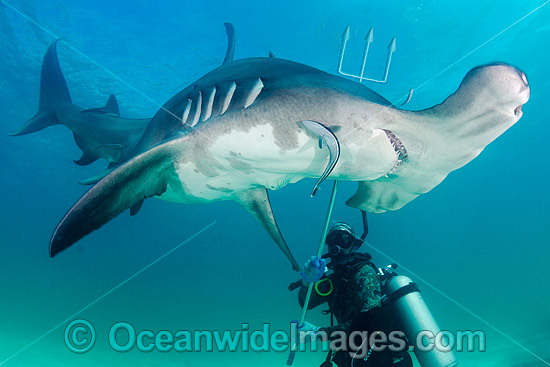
(313, 269)
(309, 329)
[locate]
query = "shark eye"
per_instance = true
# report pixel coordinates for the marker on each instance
(524, 78)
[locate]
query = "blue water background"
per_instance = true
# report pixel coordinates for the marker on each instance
(481, 237)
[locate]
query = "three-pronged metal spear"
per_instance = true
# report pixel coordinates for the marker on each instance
(368, 40)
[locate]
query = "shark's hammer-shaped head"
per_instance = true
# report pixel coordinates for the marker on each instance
(488, 102)
(506, 85)
(445, 137)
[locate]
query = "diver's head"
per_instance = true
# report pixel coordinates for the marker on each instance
(341, 240)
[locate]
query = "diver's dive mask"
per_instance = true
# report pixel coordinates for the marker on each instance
(341, 237)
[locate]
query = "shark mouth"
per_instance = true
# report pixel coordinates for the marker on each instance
(517, 110)
(400, 151)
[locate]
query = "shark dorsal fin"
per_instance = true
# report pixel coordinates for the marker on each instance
(230, 30)
(112, 105)
(110, 108)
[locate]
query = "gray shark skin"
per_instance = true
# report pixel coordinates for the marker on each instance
(238, 132)
(99, 132)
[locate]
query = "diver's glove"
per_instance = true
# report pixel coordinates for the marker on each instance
(309, 329)
(313, 269)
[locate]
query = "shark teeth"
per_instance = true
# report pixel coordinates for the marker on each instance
(400, 151)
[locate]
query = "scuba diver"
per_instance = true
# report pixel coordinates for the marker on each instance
(354, 291)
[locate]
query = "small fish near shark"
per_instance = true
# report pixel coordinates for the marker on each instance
(98, 132)
(258, 124)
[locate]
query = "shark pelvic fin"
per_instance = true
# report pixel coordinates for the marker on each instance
(256, 201)
(230, 30)
(53, 93)
(136, 208)
(326, 138)
(85, 160)
(127, 186)
(111, 152)
(110, 108)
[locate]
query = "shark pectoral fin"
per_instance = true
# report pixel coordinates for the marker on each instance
(380, 195)
(330, 140)
(85, 160)
(143, 177)
(256, 201)
(110, 108)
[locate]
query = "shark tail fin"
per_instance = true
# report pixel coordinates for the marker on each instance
(53, 93)
(144, 176)
(38, 122)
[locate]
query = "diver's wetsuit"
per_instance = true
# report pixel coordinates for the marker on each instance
(356, 304)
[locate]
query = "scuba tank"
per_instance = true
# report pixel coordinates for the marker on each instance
(415, 317)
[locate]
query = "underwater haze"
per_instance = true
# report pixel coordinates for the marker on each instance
(477, 244)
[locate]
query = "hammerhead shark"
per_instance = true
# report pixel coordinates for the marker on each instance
(258, 124)
(98, 132)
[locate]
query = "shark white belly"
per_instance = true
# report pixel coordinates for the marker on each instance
(229, 167)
